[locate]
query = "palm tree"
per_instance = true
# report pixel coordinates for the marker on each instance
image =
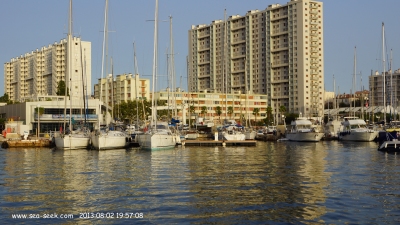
(192, 110)
(218, 110)
(256, 111)
(269, 114)
(230, 111)
(39, 111)
(204, 110)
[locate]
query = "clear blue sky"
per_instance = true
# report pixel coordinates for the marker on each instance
(28, 24)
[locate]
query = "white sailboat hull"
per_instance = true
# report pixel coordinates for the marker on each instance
(156, 141)
(250, 135)
(234, 136)
(192, 135)
(358, 136)
(109, 140)
(72, 142)
(305, 136)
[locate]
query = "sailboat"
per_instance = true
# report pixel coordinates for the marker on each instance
(249, 132)
(157, 135)
(74, 139)
(229, 132)
(333, 125)
(104, 139)
(354, 128)
(174, 120)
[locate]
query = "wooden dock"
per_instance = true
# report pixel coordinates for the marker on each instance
(26, 143)
(218, 143)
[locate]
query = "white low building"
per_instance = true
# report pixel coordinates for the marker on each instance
(52, 116)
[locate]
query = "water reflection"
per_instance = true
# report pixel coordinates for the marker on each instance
(278, 182)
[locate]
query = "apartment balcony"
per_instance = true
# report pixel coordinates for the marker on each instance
(275, 97)
(203, 34)
(314, 67)
(203, 75)
(238, 55)
(313, 11)
(314, 72)
(315, 101)
(314, 89)
(237, 85)
(313, 50)
(314, 17)
(238, 26)
(314, 39)
(281, 16)
(278, 32)
(240, 70)
(238, 40)
(203, 48)
(314, 34)
(284, 47)
(314, 28)
(279, 81)
(203, 62)
(280, 63)
(315, 78)
(314, 56)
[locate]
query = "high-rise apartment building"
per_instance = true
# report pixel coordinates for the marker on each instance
(380, 93)
(39, 72)
(277, 51)
(122, 88)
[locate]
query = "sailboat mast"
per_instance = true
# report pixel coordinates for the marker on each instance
(391, 84)
(334, 93)
(224, 69)
(83, 65)
(172, 67)
(384, 73)
(168, 82)
(112, 90)
(85, 92)
(136, 86)
(102, 58)
(69, 53)
(354, 79)
(155, 50)
(69, 65)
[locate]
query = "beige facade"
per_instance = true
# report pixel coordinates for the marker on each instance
(392, 88)
(38, 72)
(53, 113)
(277, 51)
(242, 104)
(122, 88)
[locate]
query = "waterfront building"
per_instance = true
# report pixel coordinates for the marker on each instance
(391, 89)
(51, 117)
(122, 88)
(39, 72)
(329, 96)
(278, 52)
(243, 105)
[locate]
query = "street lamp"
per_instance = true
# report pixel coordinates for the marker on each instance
(283, 118)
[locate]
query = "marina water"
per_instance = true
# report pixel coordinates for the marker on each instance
(272, 183)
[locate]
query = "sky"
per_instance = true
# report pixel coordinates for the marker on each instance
(27, 25)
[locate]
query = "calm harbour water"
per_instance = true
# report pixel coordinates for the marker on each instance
(272, 183)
